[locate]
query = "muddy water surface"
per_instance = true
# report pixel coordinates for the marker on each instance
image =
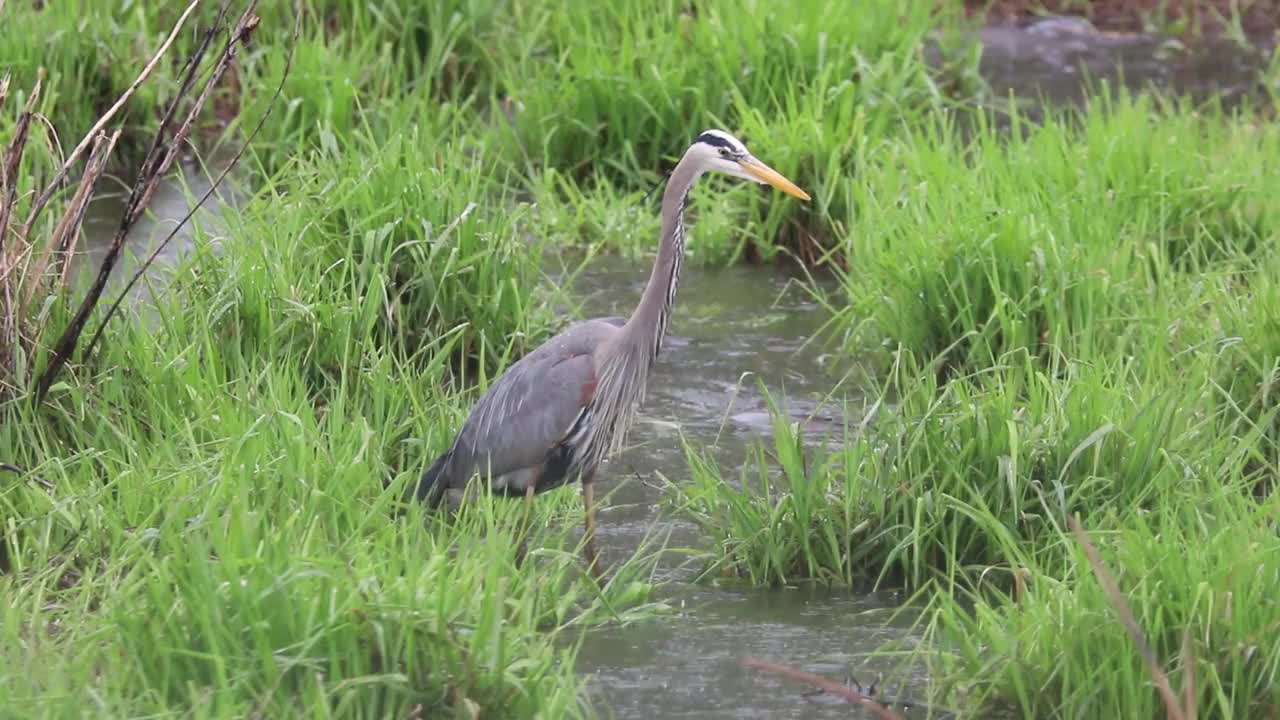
(728, 323)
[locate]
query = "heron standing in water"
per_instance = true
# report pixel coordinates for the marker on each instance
(555, 414)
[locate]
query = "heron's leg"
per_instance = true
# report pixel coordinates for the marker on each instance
(527, 518)
(531, 487)
(589, 530)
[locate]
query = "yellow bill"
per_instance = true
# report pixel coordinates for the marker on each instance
(766, 174)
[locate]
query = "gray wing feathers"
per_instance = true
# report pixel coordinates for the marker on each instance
(531, 406)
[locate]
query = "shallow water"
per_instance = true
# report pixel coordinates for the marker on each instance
(731, 329)
(172, 200)
(1056, 61)
(727, 323)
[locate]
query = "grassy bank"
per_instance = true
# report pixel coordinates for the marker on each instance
(208, 517)
(1086, 236)
(590, 103)
(1076, 322)
(205, 516)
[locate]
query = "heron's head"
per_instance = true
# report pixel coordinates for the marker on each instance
(718, 151)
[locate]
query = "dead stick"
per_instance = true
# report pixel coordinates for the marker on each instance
(58, 177)
(825, 685)
(10, 164)
(1127, 618)
(213, 187)
(159, 157)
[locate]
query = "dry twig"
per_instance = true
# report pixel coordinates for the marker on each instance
(64, 234)
(159, 159)
(826, 685)
(1109, 585)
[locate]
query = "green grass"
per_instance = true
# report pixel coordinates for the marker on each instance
(412, 235)
(1073, 319)
(618, 91)
(1069, 241)
(90, 52)
(969, 480)
(962, 494)
(1197, 578)
(209, 519)
(1248, 351)
(609, 92)
(1076, 319)
(352, 61)
(209, 522)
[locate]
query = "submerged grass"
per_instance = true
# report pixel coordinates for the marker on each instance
(965, 492)
(962, 482)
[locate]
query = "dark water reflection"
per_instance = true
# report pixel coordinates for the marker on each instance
(1062, 62)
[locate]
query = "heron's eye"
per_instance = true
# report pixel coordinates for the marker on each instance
(724, 152)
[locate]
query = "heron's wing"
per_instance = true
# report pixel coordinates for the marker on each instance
(532, 405)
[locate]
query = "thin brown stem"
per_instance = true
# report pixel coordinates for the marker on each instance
(63, 238)
(1130, 622)
(826, 685)
(38, 206)
(9, 169)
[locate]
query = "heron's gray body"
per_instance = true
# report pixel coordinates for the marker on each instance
(554, 415)
(537, 395)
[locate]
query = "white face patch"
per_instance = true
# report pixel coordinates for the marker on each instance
(718, 151)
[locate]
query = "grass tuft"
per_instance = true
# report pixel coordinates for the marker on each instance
(1196, 577)
(976, 248)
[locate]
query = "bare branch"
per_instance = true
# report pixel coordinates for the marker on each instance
(826, 685)
(38, 206)
(159, 159)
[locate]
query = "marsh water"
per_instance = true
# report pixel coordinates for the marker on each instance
(1056, 61)
(732, 329)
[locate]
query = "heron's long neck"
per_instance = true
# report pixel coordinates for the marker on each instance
(648, 323)
(624, 364)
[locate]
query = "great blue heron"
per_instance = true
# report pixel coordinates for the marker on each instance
(553, 415)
